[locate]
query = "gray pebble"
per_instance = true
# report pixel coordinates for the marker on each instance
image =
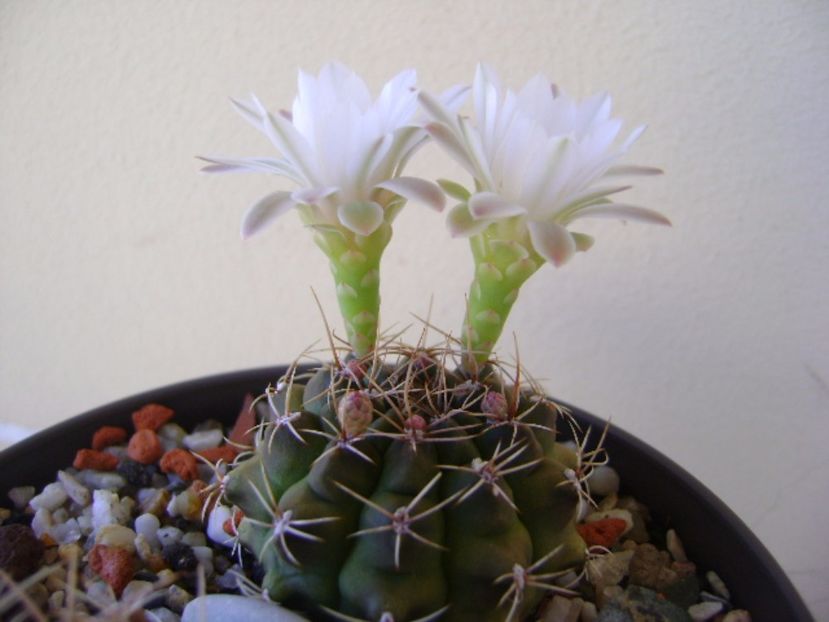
(21, 496)
(199, 441)
(169, 535)
(194, 538)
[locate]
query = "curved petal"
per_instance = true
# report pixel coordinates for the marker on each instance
(622, 212)
(446, 138)
(491, 205)
(265, 211)
(416, 189)
(461, 223)
(312, 196)
(361, 217)
(552, 241)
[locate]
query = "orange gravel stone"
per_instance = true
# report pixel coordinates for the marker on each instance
(108, 435)
(602, 532)
(214, 454)
(96, 460)
(180, 462)
(151, 417)
(231, 525)
(145, 447)
(113, 564)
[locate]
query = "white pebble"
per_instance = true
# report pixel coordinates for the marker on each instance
(102, 480)
(215, 525)
(52, 497)
(77, 492)
(737, 615)
(107, 509)
(199, 441)
(147, 525)
(603, 481)
(674, 546)
(116, 535)
(41, 521)
(233, 608)
(66, 532)
(704, 611)
(717, 584)
(169, 535)
(21, 496)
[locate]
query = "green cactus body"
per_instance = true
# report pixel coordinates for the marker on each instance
(444, 502)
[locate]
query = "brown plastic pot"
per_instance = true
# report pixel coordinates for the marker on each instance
(714, 537)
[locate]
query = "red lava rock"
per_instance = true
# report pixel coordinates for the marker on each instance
(96, 460)
(144, 447)
(214, 454)
(242, 432)
(20, 551)
(180, 462)
(113, 564)
(108, 435)
(602, 532)
(151, 417)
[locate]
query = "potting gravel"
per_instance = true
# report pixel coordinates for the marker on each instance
(134, 530)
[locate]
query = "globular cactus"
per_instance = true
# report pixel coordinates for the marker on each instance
(391, 488)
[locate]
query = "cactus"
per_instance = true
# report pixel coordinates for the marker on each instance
(393, 486)
(389, 484)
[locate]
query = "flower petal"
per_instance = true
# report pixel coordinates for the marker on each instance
(552, 241)
(622, 212)
(490, 205)
(312, 196)
(583, 241)
(461, 223)
(446, 137)
(416, 189)
(361, 217)
(265, 211)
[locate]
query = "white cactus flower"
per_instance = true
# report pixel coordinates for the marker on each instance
(540, 161)
(344, 152)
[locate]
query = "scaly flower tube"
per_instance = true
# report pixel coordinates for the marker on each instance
(540, 161)
(345, 153)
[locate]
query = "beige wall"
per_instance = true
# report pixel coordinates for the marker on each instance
(121, 269)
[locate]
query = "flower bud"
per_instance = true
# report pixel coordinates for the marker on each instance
(355, 412)
(494, 404)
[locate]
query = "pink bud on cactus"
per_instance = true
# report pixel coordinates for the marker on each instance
(355, 412)
(494, 404)
(416, 422)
